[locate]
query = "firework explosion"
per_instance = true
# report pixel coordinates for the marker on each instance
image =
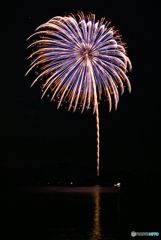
(80, 61)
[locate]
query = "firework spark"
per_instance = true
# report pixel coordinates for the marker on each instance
(80, 61)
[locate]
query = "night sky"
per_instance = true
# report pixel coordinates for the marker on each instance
(34, 133)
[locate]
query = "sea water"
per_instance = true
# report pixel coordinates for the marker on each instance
(66, 213)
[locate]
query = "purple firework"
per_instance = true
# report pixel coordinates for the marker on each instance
(79, 61)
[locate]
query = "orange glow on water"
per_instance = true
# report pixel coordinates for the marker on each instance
(96, 233)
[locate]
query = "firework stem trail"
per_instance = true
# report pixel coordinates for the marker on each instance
(95, 109)
(98, 139)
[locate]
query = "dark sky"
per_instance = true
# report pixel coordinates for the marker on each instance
(34, 132)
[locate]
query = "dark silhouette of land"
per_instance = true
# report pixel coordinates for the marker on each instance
(63, 174)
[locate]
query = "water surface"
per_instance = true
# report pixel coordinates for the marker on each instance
(77, 212)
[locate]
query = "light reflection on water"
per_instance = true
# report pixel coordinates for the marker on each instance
(102, 207)
(97, 233)
(71, 213)
(96, 230)
(83, 211)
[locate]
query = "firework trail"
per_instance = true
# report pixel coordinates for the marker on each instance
(80, 61)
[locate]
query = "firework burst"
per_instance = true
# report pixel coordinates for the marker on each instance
(79, 61)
